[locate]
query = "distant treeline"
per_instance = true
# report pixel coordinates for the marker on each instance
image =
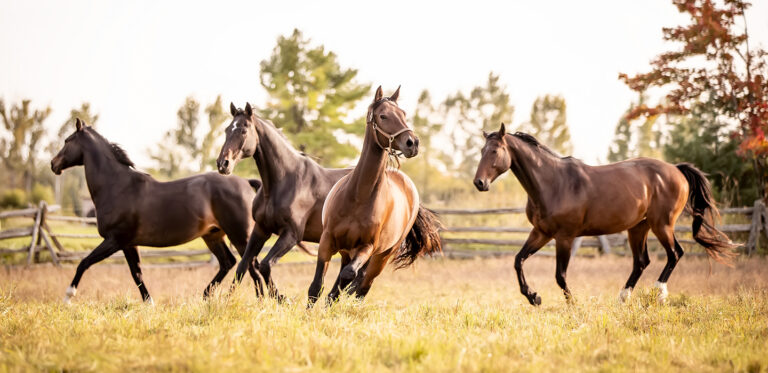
(714, 120)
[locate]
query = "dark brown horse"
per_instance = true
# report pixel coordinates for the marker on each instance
(291, 198)
(134, 209)
(374, 213)
(567, 199)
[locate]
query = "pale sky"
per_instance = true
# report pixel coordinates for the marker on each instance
(136, 61)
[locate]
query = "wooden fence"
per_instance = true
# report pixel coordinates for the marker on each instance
(758, 217)
(44, 239)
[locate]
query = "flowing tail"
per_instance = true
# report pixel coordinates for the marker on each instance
(423, 238)
(704, 212)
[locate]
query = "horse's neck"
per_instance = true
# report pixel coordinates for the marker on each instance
(103, 173)
(537, 172)
(274, 157)
(369, 174)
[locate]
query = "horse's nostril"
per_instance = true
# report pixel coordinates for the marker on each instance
(225, 163)
(409, 142)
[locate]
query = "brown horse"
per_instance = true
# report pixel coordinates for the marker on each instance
(135, 209)
(567, 199)
(291, 198)
(373, 213)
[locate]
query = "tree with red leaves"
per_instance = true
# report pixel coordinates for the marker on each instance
(714, 64)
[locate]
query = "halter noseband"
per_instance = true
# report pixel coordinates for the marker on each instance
(391, 137)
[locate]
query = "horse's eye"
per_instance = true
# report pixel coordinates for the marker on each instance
(383, 117)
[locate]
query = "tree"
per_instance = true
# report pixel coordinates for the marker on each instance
(217, 115)
(704, 140)
(311, 98)
(482, 110)
(19, 152)
(713, 65)
(548, 124)
(179, 147)
(635, 137)
(426, 124)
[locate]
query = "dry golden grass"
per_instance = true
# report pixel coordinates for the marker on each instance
(440, 315)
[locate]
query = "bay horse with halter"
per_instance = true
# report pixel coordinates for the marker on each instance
(567, 199)
(134, 209)
(374, 213)
(294, 187)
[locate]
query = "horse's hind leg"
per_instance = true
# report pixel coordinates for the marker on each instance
(101, 252)
(638, 243)
(282, 246)
(226, 260)
(240, 242)
(563, 254)
(535, 241)
(134, 263)
(324, 254)
(666, 236)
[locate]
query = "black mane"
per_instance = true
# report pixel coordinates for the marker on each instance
(535, 143)
(117, 151)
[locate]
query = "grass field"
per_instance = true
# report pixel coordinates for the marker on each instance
(440, 315)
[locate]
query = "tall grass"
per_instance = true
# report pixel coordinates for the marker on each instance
(439, 316)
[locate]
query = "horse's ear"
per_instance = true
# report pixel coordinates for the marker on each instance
(502, 130)
(379, 94)
(486, 134)
(232, 109)
(79, 124)
(248, 109)
(395, 95)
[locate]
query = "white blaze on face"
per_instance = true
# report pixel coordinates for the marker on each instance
(663, 293)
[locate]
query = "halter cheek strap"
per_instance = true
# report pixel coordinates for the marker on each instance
(390, 137)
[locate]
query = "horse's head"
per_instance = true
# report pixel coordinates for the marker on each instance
(71, 154)
(495, 159)
(388, 121)
(242, 139)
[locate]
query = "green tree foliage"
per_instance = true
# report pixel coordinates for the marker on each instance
(311, 98)
(636, 137)
(548, 124)
(712, 62)
(217, 116)
(19, 152)
(704, 139)
(427, 126)
(484, 109)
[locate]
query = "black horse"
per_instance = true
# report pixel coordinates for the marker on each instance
(290, 202)
(135, 209)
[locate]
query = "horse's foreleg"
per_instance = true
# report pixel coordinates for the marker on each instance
(101, 252)
(249, 263)
(666, 236)
(283, 245)
(134, 263)
(345, 259)
(535, 241)
(324, 254)
(348, 273)
(638, 242)
(225, 258)
(372, 270)
(563, 255)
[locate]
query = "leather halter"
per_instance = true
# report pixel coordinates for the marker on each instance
(391, 137)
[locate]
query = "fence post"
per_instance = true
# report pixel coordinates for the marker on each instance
(605, 245)
(754, 232)
(35, 233)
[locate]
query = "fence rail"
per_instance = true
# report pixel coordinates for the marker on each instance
(43, 239)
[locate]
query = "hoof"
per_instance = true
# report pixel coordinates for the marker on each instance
(624, 295)
(149, 302)
(534, 299)
(663, 293)
(71, 291)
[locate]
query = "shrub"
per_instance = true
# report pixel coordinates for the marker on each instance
(41, 193)
(13, 198)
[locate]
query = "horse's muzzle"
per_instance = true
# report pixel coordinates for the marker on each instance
(482, 185)
(224, 166)
(56, 166)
